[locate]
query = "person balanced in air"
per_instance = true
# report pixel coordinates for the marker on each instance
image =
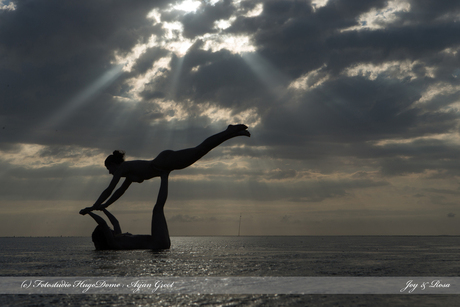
(166, 162)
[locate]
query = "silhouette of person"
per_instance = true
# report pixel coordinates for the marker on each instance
(104, 238)
(164, 163)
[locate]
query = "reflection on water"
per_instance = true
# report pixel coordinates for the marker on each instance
(237, 256)
(232, 256)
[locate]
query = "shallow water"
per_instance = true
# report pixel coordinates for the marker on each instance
(238, 257)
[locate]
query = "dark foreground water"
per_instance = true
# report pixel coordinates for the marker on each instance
(366, 256)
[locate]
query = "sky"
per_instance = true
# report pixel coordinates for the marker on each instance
(353, 107)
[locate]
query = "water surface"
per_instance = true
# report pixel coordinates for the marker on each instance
(235, 256)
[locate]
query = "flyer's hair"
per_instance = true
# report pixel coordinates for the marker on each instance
(117, 157)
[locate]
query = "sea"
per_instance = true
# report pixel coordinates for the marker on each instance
(235, 257)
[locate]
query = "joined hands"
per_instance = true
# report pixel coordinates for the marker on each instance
(89, 209)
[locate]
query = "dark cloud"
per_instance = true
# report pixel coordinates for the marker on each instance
(421, 156)
(431, 11)
(348, 110)
(294, 37)
(220, 78)
(443, 191)
(375, 99)
(71, 31)
(289, 34)
(405, 43)
(146, 60)
(51, 51)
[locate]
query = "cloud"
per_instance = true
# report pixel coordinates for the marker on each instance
(345, 100)
(184, 218)
(443, 191)
(49, 60)
(202, 21)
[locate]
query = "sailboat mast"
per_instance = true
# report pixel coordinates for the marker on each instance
(239, 226)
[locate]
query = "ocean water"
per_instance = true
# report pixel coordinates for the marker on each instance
(316, 256)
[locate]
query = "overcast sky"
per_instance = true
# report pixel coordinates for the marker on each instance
(352, 106)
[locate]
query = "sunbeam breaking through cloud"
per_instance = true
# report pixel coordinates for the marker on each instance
(353, 110)
(82, 98)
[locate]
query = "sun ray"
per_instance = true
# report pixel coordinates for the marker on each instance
(175, 78)
(80, 99)
(274, 80)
